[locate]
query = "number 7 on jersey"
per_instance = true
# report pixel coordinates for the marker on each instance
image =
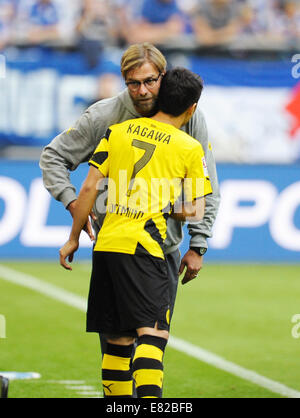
(149, 150)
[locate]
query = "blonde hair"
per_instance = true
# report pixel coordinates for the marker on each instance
(138, 54)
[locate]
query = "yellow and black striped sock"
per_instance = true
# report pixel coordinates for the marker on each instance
(148, 366)
(116, 371)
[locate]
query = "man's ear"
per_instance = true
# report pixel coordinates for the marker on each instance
(194, 107)
(191, 109)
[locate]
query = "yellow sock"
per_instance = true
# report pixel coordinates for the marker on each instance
(116, 374)
(148, 366)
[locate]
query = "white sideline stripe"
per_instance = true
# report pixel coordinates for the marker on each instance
(94, 394)
(79, 302)
(220, 363)
(67, 382)
(79, 386)
(57, 293)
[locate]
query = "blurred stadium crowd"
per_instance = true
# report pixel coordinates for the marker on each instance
(92, 24)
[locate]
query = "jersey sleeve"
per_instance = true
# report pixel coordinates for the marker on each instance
(100, 158)
(196, 182)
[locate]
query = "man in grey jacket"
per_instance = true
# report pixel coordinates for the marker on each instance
(142, 67)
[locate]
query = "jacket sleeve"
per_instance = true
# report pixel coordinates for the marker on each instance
(202, 230)
(64, 154)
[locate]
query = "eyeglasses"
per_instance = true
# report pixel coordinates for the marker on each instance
(149, 83)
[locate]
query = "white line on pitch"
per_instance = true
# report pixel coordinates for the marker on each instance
(228, 366)
(79, 302)
(93, 394)
(57, 293)
(67, 382)
(79, 386)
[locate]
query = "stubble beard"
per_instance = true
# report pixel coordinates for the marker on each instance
(145, 108)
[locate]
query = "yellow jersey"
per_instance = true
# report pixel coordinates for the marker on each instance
(148, 164)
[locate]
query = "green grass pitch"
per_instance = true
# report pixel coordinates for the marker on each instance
(242, 313)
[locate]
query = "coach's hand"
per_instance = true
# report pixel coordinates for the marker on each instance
(193, 263)
(67, 251)
(88, 226)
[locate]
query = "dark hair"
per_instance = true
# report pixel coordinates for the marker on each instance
(180, 88)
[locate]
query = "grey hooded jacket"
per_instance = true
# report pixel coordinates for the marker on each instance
(77, 144)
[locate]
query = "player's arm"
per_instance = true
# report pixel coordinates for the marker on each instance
(84, 204)
(198, 186)
(189, 211)
(202, 230)
(64, 154)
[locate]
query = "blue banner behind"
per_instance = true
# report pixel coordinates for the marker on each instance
(259, 216)
(32, 224)
(45, 91)
(250, 73)
(258, 221)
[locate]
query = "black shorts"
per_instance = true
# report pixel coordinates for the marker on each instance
(127, 292)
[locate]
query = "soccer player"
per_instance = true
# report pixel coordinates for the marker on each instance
(142, 67)
(129, 290)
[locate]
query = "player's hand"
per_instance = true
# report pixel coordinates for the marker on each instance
(67, 251)
(88, 226)
(193, 263)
